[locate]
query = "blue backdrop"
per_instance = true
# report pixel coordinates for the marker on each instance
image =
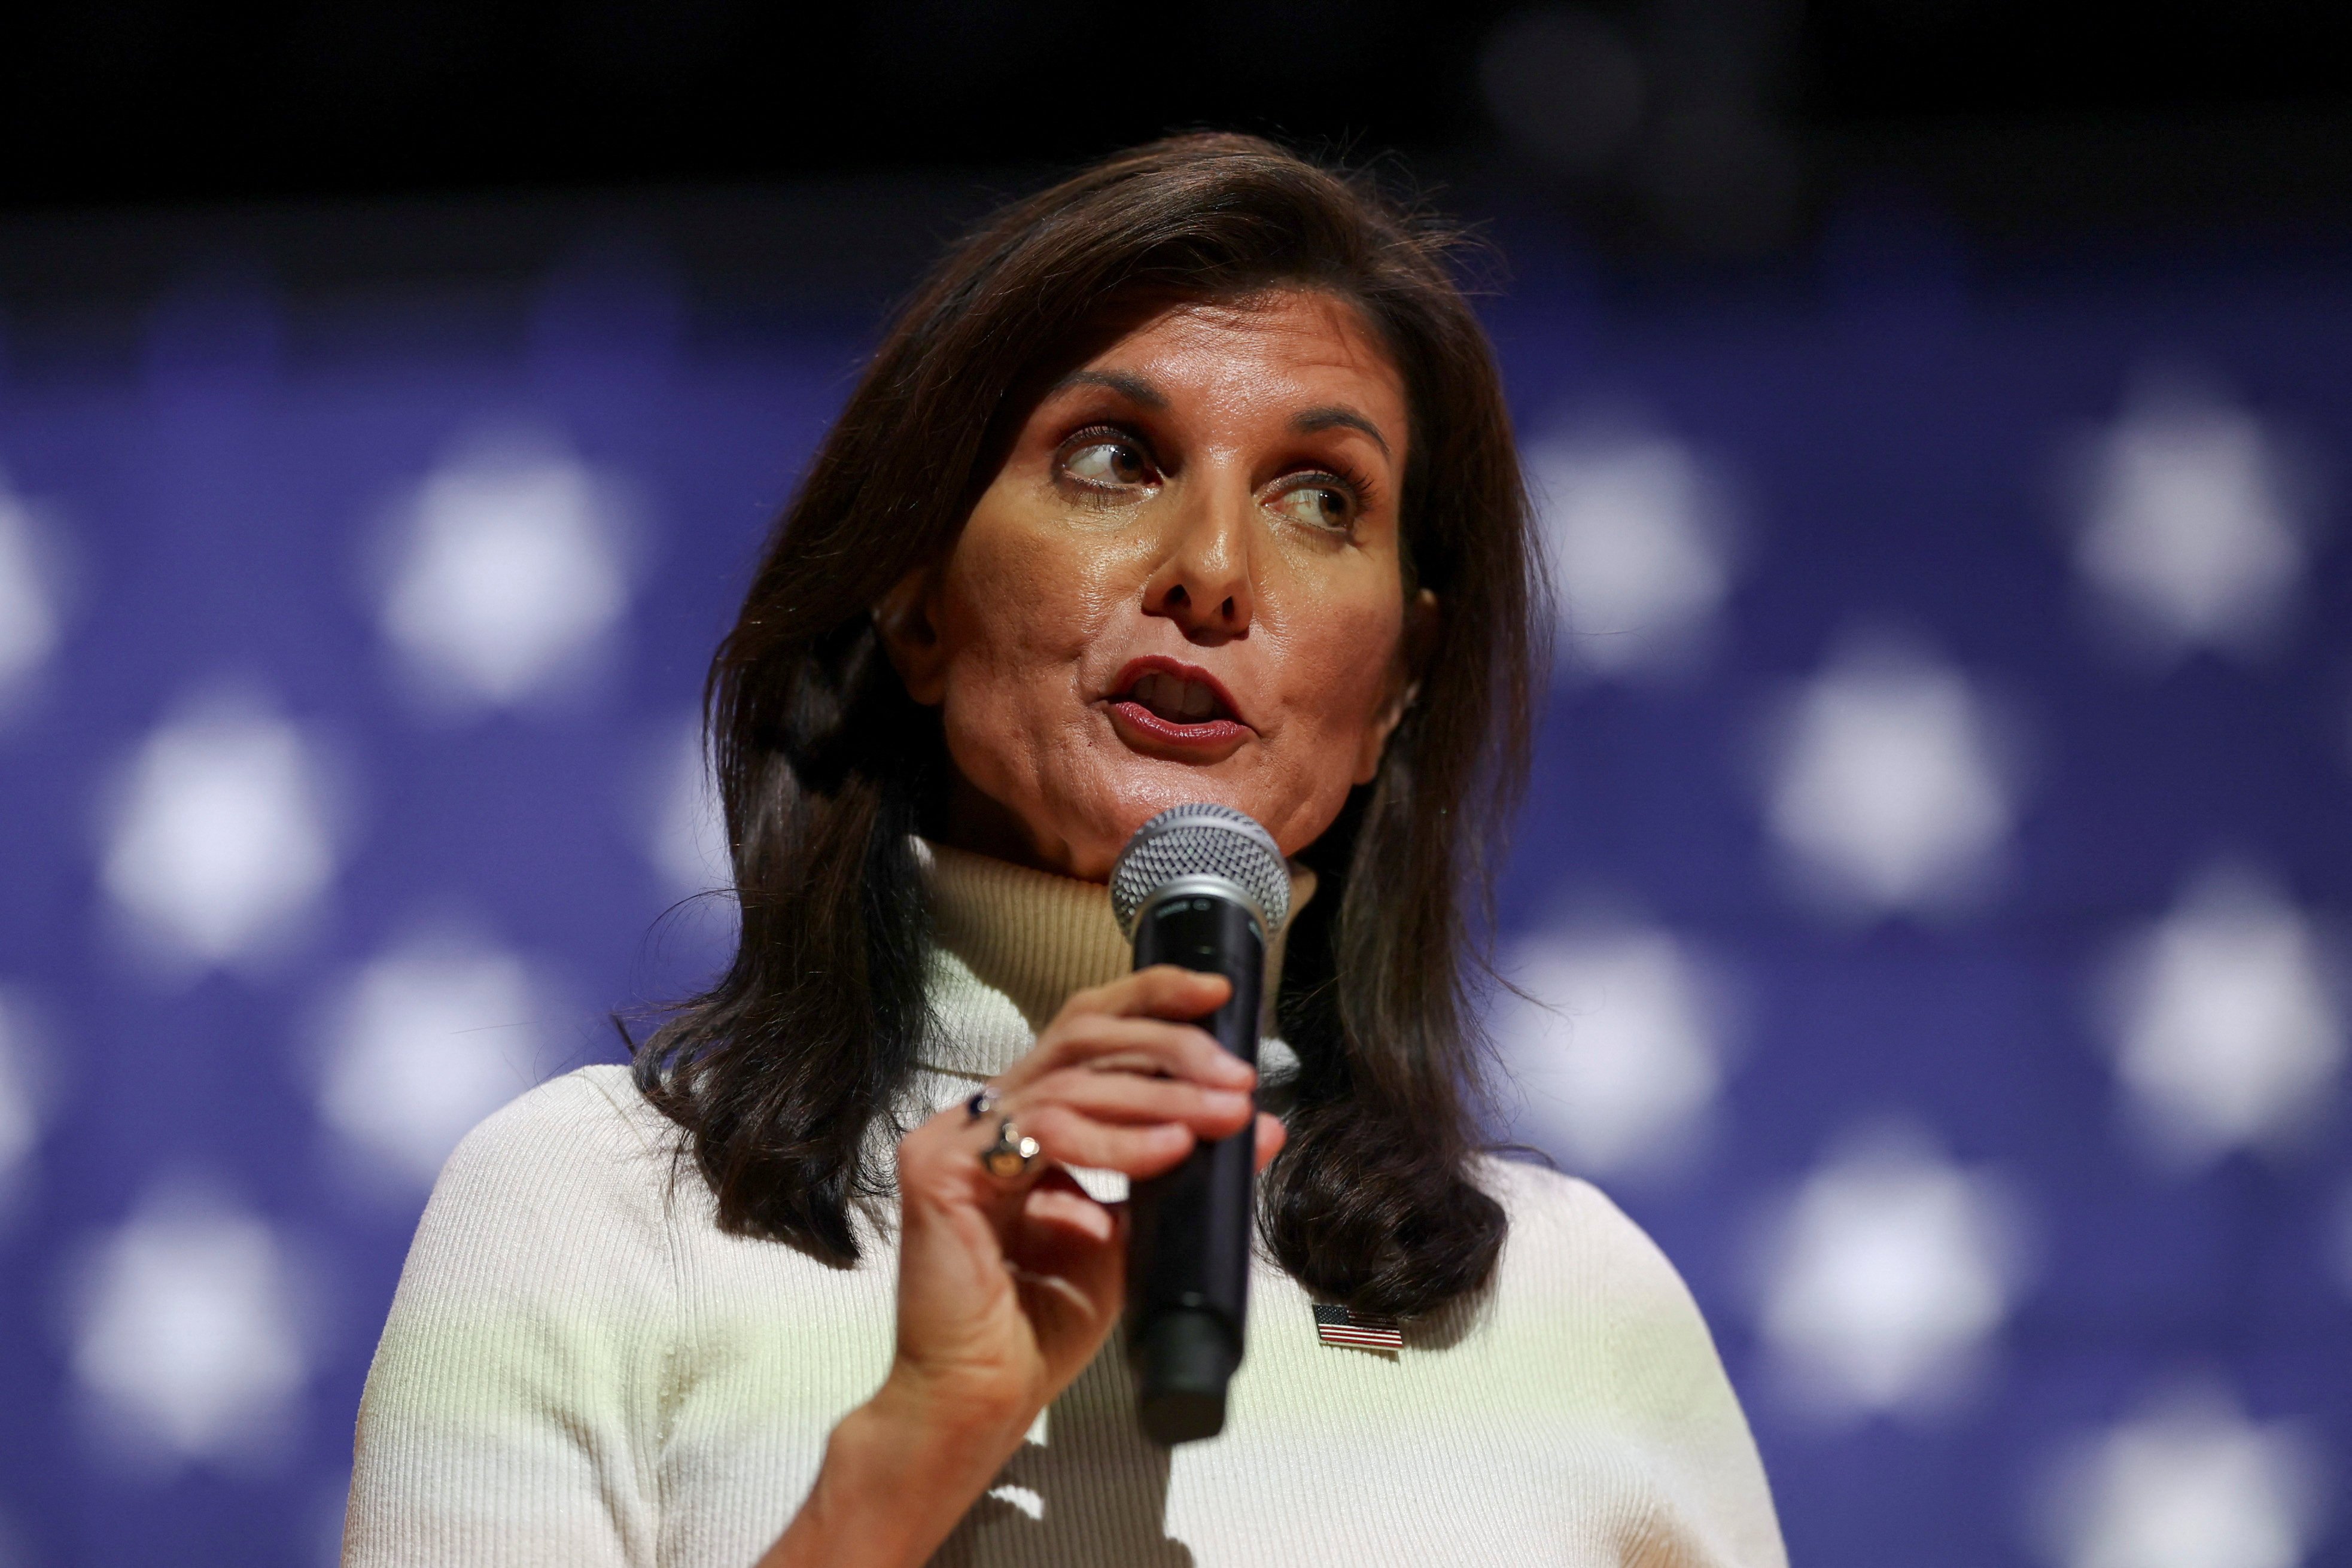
(1929, 892)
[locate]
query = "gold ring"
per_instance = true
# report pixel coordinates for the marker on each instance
(1013, 1152)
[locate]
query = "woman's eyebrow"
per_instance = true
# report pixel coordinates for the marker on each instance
(1308, 421)
(1135, 389)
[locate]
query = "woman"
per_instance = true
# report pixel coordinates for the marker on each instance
(1189, 479)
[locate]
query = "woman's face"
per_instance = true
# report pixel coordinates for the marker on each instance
(1183, 585)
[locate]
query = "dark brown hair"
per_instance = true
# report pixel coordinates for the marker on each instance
(827, 766)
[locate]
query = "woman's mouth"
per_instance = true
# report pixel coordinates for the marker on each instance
(1171, 705)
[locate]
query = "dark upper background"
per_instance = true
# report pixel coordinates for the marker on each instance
(1661, 132)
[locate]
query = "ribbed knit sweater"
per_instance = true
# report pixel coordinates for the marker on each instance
(581, 1369)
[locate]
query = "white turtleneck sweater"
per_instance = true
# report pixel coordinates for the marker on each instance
(582, 1370)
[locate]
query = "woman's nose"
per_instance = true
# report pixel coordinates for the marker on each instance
(1203, 584)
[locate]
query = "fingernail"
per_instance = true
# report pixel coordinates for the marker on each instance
(1224, 1103)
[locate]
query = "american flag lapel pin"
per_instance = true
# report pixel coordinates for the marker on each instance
(1338, 1326)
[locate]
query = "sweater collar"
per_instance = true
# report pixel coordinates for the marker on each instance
(1031, 938)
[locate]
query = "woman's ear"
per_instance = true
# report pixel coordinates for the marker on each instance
(902, 618)
(1418, 640)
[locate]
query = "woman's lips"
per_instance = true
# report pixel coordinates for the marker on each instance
(1207, 735)
(1167, 704)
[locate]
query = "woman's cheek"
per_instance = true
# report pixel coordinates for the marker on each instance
(1021, 613)
(1336, 684)
(1350, 672)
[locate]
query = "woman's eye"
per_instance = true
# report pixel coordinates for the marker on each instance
(1114, 465)
(1327, 507)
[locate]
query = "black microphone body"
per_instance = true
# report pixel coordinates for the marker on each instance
(1189, 1248)
(1202, 887)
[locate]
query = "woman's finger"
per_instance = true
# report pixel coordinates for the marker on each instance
(1129, 1097)
(940, 1158)
(1162, 990)
(1133, 1045)
(1271, 1135)
(1069, 1138)
(1066, 1253)
(1061, 1211)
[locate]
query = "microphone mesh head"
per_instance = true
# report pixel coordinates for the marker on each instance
(1202, 840)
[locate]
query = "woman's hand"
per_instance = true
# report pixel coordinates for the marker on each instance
(1008, 1287)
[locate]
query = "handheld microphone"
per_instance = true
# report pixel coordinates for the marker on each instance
(1202, 887)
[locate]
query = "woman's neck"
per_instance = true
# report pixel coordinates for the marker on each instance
(1032, 934)
(979, 825)
(1036, 936)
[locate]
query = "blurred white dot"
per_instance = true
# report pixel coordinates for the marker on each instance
(21, 1077)
(1618, 1046)
(2226, 1021)
(222, 838)
(424, 1042)
(688, 843)
(1891, 784)
(1639, 537)
(187, 1330)
(508, 574)
(2191, 528)
(30, 620)
(1885, 1277)
(2188, 1484)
